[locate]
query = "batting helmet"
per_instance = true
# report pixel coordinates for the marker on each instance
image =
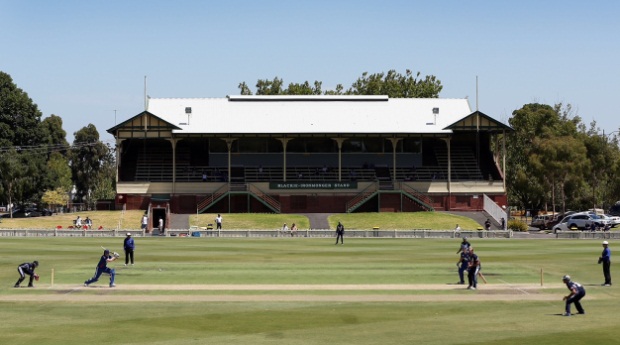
(566, 278)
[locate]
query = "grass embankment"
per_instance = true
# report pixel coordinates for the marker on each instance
(351, 221)
(107, 219)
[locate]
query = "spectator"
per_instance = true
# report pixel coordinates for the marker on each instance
(218, 222)
(162, 230)
(144, 221)
(293, 230)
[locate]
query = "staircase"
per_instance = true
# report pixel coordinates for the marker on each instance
(238, 188)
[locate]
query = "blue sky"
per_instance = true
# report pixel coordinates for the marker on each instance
(81, 60)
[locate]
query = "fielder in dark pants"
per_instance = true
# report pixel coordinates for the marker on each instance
(577, 292)
(340, 233)
(462, 265)
(129, 246)
(605, 259)
(473, 267)
(26, 268)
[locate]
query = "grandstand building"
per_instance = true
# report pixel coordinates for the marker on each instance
(291, 154)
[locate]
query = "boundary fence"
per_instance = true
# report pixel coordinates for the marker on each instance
(314, 233)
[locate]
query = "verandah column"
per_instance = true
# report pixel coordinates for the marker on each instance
(339, 141)
(229, 143)
(394, 142)
(284, 142)
(173, 142)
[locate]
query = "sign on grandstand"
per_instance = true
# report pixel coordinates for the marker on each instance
(313, 185)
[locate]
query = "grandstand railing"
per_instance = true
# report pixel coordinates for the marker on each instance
(211, 198)
(264, 197)
(494, 210)
(361, 197)
(424, 200)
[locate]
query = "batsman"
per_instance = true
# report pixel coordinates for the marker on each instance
(102, 267)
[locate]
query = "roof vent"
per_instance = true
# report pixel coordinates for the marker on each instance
(188, 112)
(435, 113)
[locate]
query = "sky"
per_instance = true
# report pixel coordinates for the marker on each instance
(86, 61)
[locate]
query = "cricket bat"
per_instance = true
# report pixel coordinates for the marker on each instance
(483, 278)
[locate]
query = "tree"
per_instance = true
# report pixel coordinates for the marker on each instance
(269, 87)
(18, 175)
(53, 135)
(55, 198)
(19, 115)
(89, 156)
(24, 139)
(392, 84)
(525, 187)
(396, 85)
(59, 172)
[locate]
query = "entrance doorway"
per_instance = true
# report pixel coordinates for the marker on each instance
(157, 214)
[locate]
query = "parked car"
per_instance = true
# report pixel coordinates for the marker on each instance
(613, 220)
(600, 221)
(24, 213)
(545, 221)
(579, 221)
(45, 212)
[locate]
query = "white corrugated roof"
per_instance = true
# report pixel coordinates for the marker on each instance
(309, 114)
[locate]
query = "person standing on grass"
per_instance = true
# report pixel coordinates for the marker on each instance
(577, 292)
(218, 222)
(340, 233)
(464, 245)
(605, 259)
(473, 267)
(129, 246)
(462, 265)
(144, 221)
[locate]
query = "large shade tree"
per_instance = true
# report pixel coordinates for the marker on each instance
(21, 151)
(91, 162)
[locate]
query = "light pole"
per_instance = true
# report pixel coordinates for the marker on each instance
(89, 199)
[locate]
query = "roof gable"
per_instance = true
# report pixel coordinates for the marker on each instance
(145, 121)
(479, 121)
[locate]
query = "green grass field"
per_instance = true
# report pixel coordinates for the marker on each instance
(303, 291)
